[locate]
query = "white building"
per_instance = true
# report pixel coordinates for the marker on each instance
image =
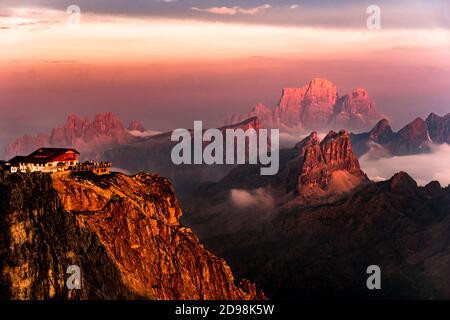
(45, 160)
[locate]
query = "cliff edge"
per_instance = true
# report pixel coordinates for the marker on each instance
(122, 232)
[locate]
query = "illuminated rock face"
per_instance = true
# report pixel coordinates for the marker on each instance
(317, 106)
(327, 166)
(105, 131)
(260, 111)
(136, 126)
(355, 111)
(122, 231)
(414, 138)
(439, 128)
(313, 244)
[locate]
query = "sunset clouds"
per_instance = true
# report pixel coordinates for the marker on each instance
(306, 13)
(180, 30)
(424, 168)
(107, 38)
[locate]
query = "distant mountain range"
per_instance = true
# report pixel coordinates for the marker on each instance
(105, 131)
(153, 154)
(311, 230)
(416, 137)
(135, 149)
(317, 106)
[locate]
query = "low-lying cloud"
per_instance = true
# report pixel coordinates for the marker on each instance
(256, 198)
(291, 138)
(143, 134)
(423, 168)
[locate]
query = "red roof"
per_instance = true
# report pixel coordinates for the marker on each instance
(44, 155)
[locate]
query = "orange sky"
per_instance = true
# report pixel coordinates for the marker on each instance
(40, 35)
(171, 71)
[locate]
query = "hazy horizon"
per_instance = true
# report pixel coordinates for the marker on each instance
(170, 63)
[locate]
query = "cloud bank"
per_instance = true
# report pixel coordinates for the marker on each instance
(143, 134)
(423, 168)
(288, 139)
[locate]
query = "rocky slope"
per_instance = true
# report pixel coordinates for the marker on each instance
(105, 131)
(260, 111)
(414, 138)
(309, 233)
(154, 154)
(313, 172)
(136, 126)
(439, 128)
(317, 106)
(122, 231)
(323, 251)
(328, 166)
(356, 111)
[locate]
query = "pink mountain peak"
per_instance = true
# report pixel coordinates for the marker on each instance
(317, 106)
(105, 131)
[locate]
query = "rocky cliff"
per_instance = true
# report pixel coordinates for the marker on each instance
(122, 231)
(260, 111)
(313, 172)
(414, 138)
(356, 111)
(317, 106)
(326, 168)
(323, 251)
(90, 137)
(312, 230)
(439, 128)
(136, 126)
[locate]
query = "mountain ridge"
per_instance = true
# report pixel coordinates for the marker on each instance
(314, 246)
(414, 138)
(313, 172)
(316, 106)
(323, 251)
(104, 131)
